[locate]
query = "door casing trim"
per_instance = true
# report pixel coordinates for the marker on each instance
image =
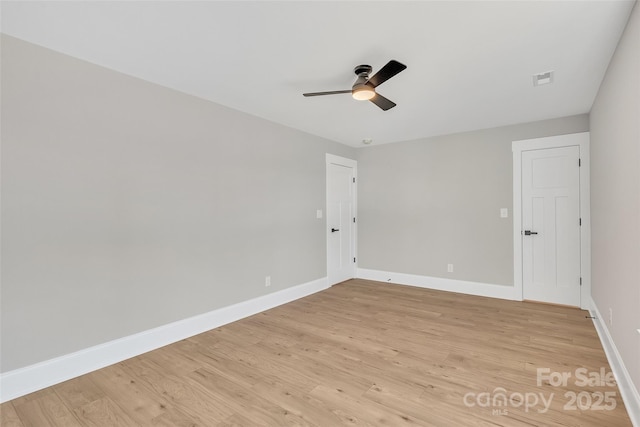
(576, 139)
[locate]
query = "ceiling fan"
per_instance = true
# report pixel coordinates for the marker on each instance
(364, 87)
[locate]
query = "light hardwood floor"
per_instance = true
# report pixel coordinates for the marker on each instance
(361, 353)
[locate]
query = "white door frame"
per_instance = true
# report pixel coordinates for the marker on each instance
(576, 139)
(343, 161)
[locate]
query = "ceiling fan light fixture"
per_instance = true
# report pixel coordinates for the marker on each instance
(363, 93)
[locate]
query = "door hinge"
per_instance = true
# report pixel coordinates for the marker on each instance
(354, 219)
(581, 281)
(579, 162)
(354, 259)
(580, 222)
(354, 180)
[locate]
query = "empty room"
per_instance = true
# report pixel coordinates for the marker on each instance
(320, 213)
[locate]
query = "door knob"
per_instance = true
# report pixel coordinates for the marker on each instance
(529, 232)
(333, 230)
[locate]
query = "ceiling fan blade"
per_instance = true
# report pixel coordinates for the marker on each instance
(392, 68)
(334, 92)
(382, 102)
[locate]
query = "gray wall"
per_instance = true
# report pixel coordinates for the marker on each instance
(615, 196)
(126, 205)
(424, 204)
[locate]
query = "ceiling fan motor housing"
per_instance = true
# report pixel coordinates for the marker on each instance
(363, 69)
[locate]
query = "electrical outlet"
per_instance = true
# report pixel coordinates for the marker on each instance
(267, 281)
(610, 316)
(450, 268)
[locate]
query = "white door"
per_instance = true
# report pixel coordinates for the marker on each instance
(551, 225)
(341, 231)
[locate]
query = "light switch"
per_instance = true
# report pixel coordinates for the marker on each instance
(504, 213)
(319, 213)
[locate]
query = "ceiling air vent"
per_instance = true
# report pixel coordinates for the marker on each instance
(543, 78)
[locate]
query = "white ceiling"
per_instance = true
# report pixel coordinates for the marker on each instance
(470, 63)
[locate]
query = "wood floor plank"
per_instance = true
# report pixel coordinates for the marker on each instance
(122, 389)
(196, 401)
(358, 408)
(9, 416)
(426, 411)
(249, 366)
(45, 409)
(174, 417)
(236, 420)
(252, 406)
(288, 397)
(361, 353)
(103, 413)
(180, 360)
(79, 391)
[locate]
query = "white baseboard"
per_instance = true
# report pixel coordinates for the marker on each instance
(22, 381)
(629, 392)
(438, 283)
